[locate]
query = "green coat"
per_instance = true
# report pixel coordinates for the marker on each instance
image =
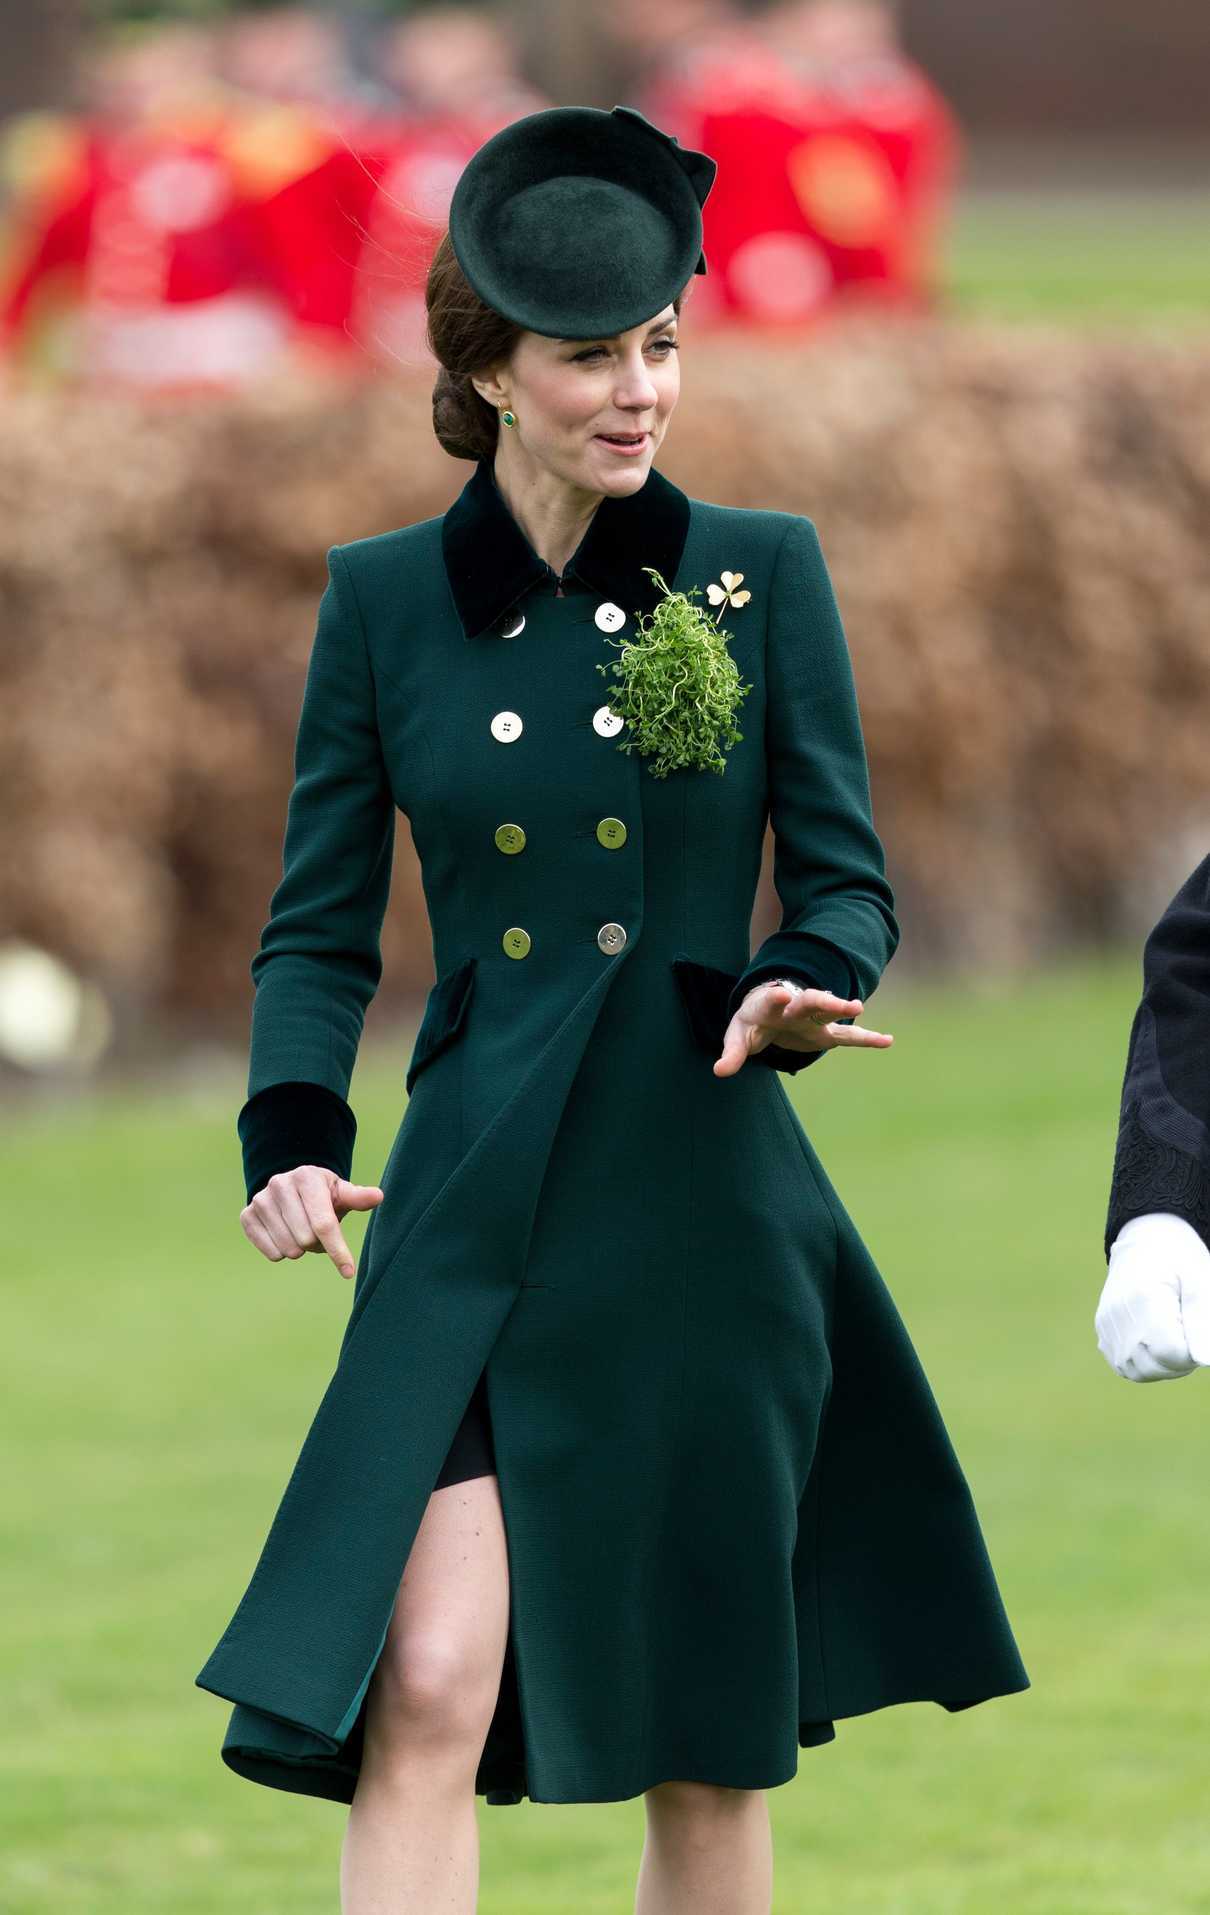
(733, 1511)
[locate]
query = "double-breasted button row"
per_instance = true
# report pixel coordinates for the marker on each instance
(608, 618)
(510, 838)
(518, 943)
(611, 832)
(508, 725)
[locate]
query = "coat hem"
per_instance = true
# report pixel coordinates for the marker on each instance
(335, 1780)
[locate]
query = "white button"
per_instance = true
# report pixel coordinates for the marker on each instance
(605, 721)
(611, 937)
(506, 726)
(609, 616)
(512, 623)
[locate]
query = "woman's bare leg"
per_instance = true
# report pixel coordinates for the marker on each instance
(708, 1851)
(412, 1839)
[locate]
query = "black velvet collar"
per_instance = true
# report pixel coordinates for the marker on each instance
(490, 563)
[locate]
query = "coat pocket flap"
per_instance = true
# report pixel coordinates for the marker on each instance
(444, 1012)
(704, 992)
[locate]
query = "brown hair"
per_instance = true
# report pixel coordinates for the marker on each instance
(465, 336)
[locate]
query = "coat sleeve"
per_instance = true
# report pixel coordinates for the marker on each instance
(838, 929)
(1162, 1157)
(319, 962)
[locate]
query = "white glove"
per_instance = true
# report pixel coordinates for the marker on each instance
(1153, 1320)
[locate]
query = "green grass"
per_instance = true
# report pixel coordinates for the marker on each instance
(150, 1439)
(1103, 258)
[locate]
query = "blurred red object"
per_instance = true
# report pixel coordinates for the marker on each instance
(143, 252)
(833, 175)
(209, 241)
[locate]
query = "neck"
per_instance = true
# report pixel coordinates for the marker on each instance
(553, 514)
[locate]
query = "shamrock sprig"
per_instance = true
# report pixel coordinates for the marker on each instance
(680, 689)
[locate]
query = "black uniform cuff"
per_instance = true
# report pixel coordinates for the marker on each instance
(1148, 1175)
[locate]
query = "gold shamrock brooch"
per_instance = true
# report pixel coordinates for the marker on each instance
(726, 594)
(680, 689)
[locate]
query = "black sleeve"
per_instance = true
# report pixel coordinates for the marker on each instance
(1162, 1159)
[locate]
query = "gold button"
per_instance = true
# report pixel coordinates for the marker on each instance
(516, 941)
(611, 937)
(612, 833)
(509, 838)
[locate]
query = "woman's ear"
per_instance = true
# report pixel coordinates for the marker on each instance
(488, 386)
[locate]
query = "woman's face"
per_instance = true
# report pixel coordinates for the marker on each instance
(568, 393)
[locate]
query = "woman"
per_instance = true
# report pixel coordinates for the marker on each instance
(621, 1387)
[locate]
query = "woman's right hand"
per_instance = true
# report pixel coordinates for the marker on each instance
(799, 1017)
(300, 1210)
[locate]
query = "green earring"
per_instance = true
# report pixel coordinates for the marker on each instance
(509, 418)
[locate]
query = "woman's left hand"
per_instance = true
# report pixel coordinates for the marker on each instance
(799, 1018)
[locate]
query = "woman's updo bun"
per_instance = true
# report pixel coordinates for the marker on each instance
(465, 336)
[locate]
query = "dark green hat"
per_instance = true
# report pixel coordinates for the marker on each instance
(579, 223)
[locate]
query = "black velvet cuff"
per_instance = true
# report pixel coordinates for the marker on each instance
(294, 1123)
(1151, 1175)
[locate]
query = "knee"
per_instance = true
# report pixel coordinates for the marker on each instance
(698, 1806)
(435, 1689)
